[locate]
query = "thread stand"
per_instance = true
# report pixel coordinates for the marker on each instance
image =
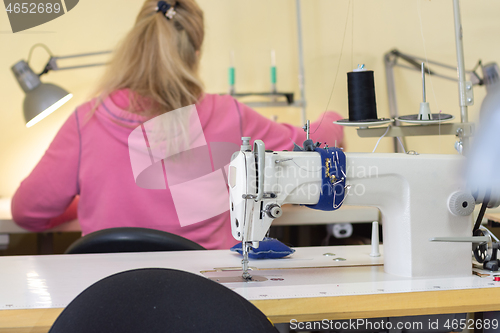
(461, 130)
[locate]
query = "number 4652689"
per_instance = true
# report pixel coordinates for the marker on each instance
(33, 8)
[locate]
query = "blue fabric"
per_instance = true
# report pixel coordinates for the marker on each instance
(269, 248)
(332, 188)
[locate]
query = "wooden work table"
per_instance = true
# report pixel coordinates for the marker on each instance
(307, 286)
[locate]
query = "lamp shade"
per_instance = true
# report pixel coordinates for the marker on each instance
(41, 98)
(42, 101)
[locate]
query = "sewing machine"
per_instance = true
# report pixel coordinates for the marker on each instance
(425, 206)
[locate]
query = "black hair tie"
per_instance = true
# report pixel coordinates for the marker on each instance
(167, 9)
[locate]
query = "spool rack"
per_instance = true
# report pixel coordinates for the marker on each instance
(463, 130)
(274, 95)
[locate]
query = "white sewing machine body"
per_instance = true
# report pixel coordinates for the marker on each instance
(420, 197)
(284, 181)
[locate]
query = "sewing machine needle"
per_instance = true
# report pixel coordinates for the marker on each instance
(246, 275)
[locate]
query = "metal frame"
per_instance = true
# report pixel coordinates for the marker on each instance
(462, 130)
(53, 66)
(302, 88)
(301, 102)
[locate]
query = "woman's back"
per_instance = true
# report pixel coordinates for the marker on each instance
(186, 195)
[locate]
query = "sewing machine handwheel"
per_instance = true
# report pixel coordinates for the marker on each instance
(480, 250)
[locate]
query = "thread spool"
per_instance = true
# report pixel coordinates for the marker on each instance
(361, 94)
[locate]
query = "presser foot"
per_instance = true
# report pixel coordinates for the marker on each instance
(246, 276)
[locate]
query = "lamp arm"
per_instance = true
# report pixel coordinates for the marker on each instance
(83, 55)
(446, 77)
(415, 62)
(53, 66)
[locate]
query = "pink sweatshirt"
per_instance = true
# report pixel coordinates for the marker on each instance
(90, 157)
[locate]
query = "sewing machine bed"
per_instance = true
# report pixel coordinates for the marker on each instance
(53, 281)
(306, 286)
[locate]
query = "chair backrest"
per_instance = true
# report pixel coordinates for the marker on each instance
(129, 239)
(154, 300)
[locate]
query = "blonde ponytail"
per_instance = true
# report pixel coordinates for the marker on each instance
(158, 60)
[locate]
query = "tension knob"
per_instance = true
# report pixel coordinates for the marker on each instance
(273, 211)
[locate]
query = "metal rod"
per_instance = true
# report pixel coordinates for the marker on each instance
(423, 83)
(460, 60)
(391, 95)
(461, 71)
(467, 130)
(428, 61)
(81, 66)
(301, 63)
(472, 239)
(454, 79)
(83, 55)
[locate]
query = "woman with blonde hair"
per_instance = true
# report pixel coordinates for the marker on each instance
(151, 83)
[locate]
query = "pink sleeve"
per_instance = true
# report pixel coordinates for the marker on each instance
(50, 188)
(278, 136)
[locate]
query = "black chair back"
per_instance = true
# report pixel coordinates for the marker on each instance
(128, 239)
(158, 300)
